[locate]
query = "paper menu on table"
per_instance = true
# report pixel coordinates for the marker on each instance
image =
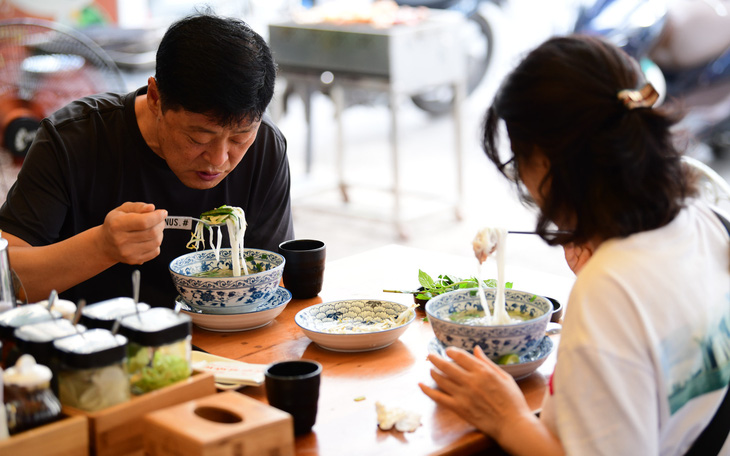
(228, 371)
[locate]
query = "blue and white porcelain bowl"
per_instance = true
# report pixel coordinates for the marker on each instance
(266, 311)
(496, 341)
(354, 325)
(216, 294)
(529, 362)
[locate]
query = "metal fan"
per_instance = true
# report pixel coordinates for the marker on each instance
(43, 66)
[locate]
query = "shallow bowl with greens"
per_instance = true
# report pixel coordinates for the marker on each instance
(454, 317)
(207, 284)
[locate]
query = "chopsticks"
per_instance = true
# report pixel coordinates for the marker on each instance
(195, 347)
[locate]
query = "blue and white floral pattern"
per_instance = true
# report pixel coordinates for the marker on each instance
(496, 341)
(242, 293)
(362, 312)
(266, 311)
(275, 299)
(315, 320)
(529, 362)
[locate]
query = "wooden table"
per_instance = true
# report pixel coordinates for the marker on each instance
(390, 375)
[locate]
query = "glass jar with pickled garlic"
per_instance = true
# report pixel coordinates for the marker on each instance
(29, 401)
(92, 371)
(37, 340)
(104, 314)
(158, 352)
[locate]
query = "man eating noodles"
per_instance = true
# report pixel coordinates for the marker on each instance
(103, 173)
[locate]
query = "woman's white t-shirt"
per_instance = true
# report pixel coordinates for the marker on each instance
(644, 357)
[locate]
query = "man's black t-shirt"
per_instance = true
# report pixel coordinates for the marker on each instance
(90, 157)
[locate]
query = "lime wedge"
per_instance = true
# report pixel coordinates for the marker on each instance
(509, 359)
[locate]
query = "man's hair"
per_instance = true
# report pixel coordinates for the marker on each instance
(613, 171)
(215, 66)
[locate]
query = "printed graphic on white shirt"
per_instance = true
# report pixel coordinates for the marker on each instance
(699, 365)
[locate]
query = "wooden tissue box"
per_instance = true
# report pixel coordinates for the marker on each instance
(227, 423)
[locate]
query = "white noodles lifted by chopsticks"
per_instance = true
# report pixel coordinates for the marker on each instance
(487, 241)
(235, 220)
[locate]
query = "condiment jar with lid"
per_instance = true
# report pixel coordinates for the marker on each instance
(16, 317)
(29, 401)
(92, 372)
(37, 340)
(158, 353)
(103, 314)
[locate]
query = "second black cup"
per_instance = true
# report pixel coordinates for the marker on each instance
(293, 386)
(304, 268)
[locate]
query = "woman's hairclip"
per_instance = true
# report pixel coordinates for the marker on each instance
(645, 97)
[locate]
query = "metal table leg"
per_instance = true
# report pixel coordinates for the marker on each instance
(338, 98)
(336, 92)
(397, 210)
(459, 97)
(307, 99)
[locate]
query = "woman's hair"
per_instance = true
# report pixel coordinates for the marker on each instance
(613, 171)
(215, 66)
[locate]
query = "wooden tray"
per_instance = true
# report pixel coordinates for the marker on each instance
(67, 437)
(118, 430)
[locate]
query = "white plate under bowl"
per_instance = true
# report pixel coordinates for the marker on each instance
(264, 314)
(314, 320)
(529, 362)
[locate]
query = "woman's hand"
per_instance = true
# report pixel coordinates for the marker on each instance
(577, 255)
(477, 390)
(487, 397)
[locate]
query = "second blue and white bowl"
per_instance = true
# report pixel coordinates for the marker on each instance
(359, 320)
(496, 340)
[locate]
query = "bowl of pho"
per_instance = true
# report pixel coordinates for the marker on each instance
(459, 319)
(205, 279)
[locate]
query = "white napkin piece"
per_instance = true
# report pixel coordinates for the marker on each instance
(402, 420)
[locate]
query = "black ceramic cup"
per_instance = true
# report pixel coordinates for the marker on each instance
(557, 310)
(293, 386)
(304, 268)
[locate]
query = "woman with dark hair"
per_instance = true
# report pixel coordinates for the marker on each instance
(644, 356)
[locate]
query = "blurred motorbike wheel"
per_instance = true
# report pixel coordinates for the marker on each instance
(479, 41)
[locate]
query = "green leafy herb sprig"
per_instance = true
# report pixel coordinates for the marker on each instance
(444, 283)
